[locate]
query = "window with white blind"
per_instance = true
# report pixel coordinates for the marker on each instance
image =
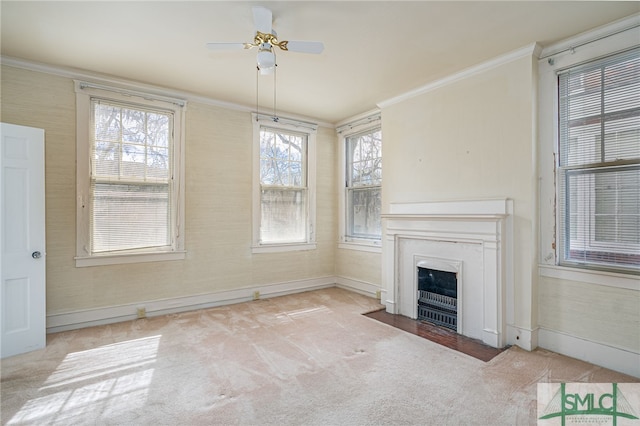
(599, 163)
(130, 194)
(284, 201)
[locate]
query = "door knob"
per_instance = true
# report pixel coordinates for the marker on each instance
(36, 255)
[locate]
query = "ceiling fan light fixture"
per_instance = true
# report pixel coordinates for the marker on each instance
(267, 71)
(266, 57)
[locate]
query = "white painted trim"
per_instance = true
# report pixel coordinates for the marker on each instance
(368, 247)
(279, 248)
(358, 286)
(525, 338)
(614, 358)
(130, 94)
(258, 122)
(465, 208)
(530, 50)
(488, 223)
(359, 123)
(112, 314)
(357, 117)
(608, 279)
(592, 35)
(110, 80)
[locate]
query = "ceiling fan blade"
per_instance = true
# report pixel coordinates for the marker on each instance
(262, 19)
(226, 46)
(305, 46)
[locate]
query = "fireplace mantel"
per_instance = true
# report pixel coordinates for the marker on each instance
(476, 233)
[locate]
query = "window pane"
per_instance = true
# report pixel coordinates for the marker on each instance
(364, 212)
(604, 216)
(284, 218)
(617, 207)
(129, 217)
(107, 155)
(133, 161)
(133, 126)
(364, 159)
(107, 122)
(158, 163)
(158, 130)
(282, 158)
(622, 139)
(296, 175)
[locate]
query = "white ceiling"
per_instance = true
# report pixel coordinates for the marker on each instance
(374, 50)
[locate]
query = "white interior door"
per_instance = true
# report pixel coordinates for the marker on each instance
(22, 299)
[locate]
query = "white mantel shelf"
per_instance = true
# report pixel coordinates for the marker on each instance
(464, 209)
(429, 216)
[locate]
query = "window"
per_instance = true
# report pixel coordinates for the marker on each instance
(361, 193)
(599, 163)
(129, 178)
(284, 196)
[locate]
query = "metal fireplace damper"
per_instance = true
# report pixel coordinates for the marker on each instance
(438, 297)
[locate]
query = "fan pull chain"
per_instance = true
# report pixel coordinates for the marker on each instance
(275, 90)
(257, 92)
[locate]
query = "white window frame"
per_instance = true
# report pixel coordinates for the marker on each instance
(85, 92)
(286, 125)
(367, 122)
(607, 40)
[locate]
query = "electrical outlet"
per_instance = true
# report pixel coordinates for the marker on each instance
(256, 295)
(142, 312)
(378, 294)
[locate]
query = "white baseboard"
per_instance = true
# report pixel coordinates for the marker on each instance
(525, 338)
(112, 314)
(610, 357)
(359, 286)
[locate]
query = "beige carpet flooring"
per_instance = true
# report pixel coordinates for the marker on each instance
(305, 359)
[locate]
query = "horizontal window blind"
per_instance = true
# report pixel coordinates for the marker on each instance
(130, 177)
(599, 163)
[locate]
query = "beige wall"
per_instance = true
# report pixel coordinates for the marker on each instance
(218, 206)
(472, 139)
(597, 313)
(360, 266)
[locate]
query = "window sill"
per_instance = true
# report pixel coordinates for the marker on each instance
(367, 246)
(117, 259)
(278, 248)
(609, 279)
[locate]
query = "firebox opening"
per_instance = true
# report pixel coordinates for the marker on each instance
(438, 297)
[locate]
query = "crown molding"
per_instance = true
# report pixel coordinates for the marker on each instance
(604, 31)
(530, 50)
(92, 77)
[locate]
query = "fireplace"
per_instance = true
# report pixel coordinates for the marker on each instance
(465, 245)
(438, 297)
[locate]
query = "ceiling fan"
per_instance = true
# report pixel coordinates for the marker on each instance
(265, 39)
